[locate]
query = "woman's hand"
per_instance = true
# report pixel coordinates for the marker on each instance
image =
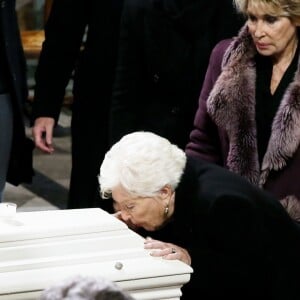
(167, 250)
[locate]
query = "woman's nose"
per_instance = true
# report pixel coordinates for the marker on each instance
(259, 29)
(125, 216)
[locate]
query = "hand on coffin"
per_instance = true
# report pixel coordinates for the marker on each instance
(167, 250)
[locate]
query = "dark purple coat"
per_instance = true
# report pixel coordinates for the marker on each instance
(225, 127)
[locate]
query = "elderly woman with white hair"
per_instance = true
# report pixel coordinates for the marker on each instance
(239, 240)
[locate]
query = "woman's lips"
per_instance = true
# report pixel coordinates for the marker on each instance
(261, 45)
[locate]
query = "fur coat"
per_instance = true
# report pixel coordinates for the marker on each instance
(225, 126)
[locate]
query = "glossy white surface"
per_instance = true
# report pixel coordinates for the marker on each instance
(38, 249)
(7, 210)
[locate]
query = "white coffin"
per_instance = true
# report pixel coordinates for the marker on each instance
(40, 248)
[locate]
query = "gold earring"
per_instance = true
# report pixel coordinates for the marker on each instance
(166, 211)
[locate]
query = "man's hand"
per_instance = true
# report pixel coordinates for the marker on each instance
(42, 132)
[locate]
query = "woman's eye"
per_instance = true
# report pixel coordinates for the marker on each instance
(129, 207)
(271, 19)
(251, 18)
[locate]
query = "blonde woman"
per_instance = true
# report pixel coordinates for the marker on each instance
(248, 118)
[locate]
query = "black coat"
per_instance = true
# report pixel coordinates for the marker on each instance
(163, 55)
(242, 242)
(96, 22)
(63, 52)
(20, 167)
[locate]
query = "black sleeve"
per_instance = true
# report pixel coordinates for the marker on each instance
(64, 32)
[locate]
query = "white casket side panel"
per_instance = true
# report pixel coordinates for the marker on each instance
(38, 249)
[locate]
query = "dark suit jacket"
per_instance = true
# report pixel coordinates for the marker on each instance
(81, 35)
(163, 55)
(20, 167)
(242, 242)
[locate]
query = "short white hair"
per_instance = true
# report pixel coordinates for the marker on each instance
(85, 288)
(142, 163)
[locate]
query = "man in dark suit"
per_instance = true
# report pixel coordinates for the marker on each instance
(15, 148)
(163, 55)
(69, 23)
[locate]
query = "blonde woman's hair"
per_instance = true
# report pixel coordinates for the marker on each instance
(287, 8)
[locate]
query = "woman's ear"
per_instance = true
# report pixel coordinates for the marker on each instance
(166, 191)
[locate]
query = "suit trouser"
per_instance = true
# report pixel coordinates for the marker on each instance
(6, 131)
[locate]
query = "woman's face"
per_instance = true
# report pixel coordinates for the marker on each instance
(272, 33)
(145, 212)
